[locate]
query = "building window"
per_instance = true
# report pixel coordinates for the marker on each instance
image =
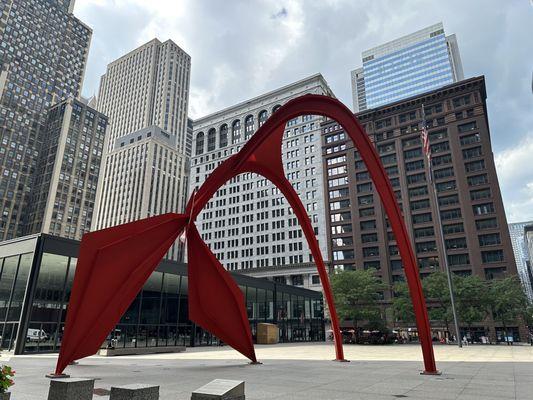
(453, 228)
(441, 160)
(467, 127)
(421, 218)
(443, 173)
(372, 264)
(478, 180)
(470, 139)
(223, 136)
(484, 224)
(211, 139)
(475, 166)
(472, 153)
(445, 186)
(419, 205)
(456, 243)
(491, 256)
(388, 159)
(367, 225)
(418, 191)
(458, 259)
(369, 238)
(490, 239)
(482, 209)
(408, 154)
(450, 214)
(297, 280)
(424, 232)
(200, 143)
(262, 117)
(480, 194)
(235, 131)
(248, 127)
(370, 251)
(426, 247)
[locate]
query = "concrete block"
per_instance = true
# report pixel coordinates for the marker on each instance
(223, 389)
(71, 389)
(136, 391)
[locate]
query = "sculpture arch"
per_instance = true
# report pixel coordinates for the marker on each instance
(134, 257)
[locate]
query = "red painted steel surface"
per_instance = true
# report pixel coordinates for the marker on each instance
(108, 257)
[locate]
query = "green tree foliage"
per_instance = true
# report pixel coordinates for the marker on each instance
(507, 300)
(472, 298)
(402, 306)
(437, 293)
(357, 294)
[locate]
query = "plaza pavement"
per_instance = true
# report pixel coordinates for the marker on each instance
(305, 371)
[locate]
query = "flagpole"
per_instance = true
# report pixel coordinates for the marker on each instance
(427, 150)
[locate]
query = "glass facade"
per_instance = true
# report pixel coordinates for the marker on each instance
(407, 72)
(34, 296)
(14, 272)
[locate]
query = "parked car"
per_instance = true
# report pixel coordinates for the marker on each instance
(36, 335)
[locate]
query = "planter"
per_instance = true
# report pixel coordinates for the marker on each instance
(5, 396)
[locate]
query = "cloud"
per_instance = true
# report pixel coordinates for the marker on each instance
(515, 175)
(241, 49)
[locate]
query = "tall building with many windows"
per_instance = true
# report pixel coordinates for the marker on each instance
(145, 95)
(43, 51)
(147, 86)
(66, 177)
(469, 206)
(413, 64)
(471, 210)
(521, 254)
(248, 224)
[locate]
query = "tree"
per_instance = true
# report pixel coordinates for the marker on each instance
(357, 294)
(472, 299)
(402, 306)
(507, 300)
(437, 293)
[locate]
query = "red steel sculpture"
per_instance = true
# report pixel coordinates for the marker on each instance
(114, 263)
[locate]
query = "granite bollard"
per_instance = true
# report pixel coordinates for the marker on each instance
(136, 391)
(223, 389)
(71, 389)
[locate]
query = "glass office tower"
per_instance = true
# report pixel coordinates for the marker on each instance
(414, 64)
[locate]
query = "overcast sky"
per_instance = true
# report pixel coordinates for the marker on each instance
(241, 49)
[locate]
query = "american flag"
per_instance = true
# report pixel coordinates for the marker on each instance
(425, 136)
(425, 142)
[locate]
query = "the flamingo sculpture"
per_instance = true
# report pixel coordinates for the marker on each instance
(114, 263)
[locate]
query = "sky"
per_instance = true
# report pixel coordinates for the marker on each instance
(241, 49)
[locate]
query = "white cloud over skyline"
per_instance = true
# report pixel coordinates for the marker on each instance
(240, 49)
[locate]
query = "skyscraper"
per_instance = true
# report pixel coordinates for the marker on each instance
(66, 178)
(147, 86)
(413, 64)
(521, 255)
(469, 206)
(145, 94)
(248, 224)
(43, 51)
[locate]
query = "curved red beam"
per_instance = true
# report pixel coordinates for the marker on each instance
(88, 323)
